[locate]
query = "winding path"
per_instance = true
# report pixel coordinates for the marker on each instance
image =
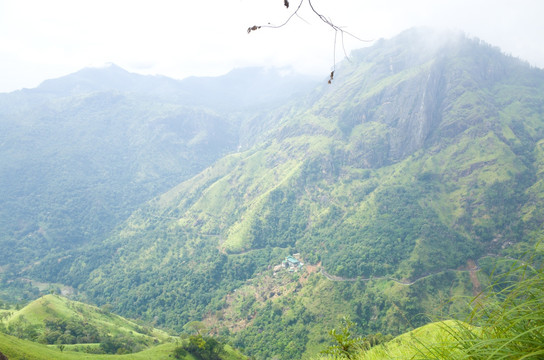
(472, 269)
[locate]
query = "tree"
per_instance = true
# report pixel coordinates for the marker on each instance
(180, 352)
(346, 346)
(202, 348)
(197, 327)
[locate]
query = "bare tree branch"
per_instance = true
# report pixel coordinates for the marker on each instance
(255, 27)
(337, 29)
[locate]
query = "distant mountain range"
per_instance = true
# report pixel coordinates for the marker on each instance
(81, 152)
(240, 88)
(175, 201)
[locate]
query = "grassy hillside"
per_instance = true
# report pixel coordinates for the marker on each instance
(52, 319)
(420, 343)
(15, 348)
(33, 322)
(61, 308)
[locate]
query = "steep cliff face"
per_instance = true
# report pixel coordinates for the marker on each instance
(410, 111)
(408, 91)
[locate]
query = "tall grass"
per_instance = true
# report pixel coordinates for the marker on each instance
(506, 323)
(511, 317)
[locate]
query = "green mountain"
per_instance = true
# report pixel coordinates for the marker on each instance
(418, 165)
(238, 89)
(80, 153)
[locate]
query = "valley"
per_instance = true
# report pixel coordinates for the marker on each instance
(393, 196)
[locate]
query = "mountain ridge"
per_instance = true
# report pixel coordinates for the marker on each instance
(81, 152)
(241, 87)
(415, 158)
(389, 171)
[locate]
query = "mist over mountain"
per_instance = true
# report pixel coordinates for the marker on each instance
(421, 159)
(240, 88)
(81, 152)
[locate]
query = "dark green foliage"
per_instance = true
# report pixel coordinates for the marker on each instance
(23, 329)
(72, 331)
(15, 291)
(280, 330)
(183, 289)
(180, 352)
(503, 201)
(374, 311)
(202, 348)
(118, 345)
(383, 244)
(282, 221)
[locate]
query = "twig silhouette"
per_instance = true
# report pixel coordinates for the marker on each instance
(337, 29)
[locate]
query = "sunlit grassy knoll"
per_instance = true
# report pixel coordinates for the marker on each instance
(420, 343)
(57, 307)
(17, 349)
(37, 311)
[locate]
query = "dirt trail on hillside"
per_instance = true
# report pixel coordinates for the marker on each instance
(472, 268)
(476, 286)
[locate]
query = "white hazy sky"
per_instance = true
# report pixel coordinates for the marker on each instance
(178, 38)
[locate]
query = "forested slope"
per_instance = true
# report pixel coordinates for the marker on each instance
(80, 153)
(422, 158)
